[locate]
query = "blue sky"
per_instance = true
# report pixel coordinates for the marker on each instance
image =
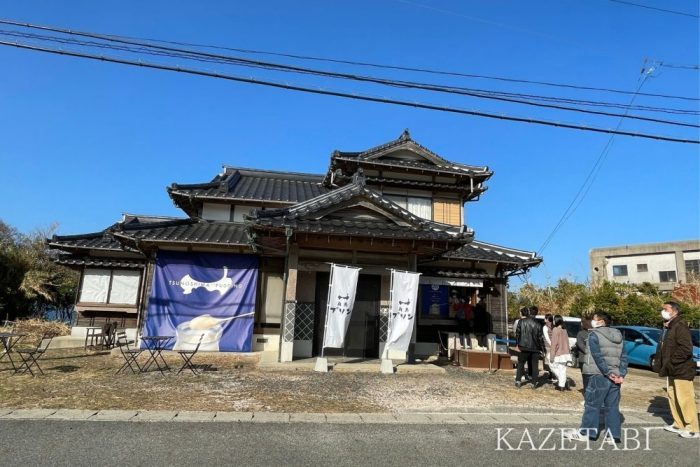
(82, 142)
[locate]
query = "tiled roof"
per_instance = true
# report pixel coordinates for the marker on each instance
(433, 161)
(103, 240)
(186, 231)
(480, 251)
(357, 228)
(255, 185)
(75, 260)
(91, 241)
(416, 227)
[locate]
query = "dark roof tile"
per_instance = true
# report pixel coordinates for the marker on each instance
(255, 185)
(481, 251)
(187, 231)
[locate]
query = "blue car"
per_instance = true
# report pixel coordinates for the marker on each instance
(641, 342)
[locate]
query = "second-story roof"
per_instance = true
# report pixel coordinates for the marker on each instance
(248, 186)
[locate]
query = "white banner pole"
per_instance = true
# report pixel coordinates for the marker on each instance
(328, 301)
(387, 366)
(322, 362)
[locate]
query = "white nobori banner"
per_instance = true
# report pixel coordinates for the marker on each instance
(404, 294)
(341, 299)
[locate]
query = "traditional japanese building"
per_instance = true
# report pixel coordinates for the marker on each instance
(398, 205)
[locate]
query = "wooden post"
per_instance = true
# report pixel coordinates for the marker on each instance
(290, 300)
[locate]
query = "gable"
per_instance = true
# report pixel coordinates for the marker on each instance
(406, 152)
(359, 211)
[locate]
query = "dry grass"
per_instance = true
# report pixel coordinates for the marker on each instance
(79, 379)
(35, 329)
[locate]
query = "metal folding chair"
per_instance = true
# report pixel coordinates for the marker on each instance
(31, 357)
(187, 357)
(110, 336)
(130, 355)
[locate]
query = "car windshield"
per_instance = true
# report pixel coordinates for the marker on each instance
(572, 328)
(653, 334)
(695, 333)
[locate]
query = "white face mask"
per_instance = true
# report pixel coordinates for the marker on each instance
(595, 324)
(665, 315)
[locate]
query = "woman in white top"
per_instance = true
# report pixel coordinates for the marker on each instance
(547, 331)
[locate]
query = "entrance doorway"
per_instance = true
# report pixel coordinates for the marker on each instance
(362, 339)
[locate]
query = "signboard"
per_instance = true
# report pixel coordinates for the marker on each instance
(435, 300)
(452, 282)
(205, 295)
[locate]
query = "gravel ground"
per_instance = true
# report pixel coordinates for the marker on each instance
(78, 379)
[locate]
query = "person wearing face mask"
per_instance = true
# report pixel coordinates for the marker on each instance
(674, 359)
(606, 367)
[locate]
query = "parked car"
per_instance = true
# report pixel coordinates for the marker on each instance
(572, 324)
(640, 344)
(695, 334)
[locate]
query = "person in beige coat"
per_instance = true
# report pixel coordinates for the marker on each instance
(559, 353)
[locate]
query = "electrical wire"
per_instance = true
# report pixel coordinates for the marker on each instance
(347, 95)
(350, 62)
(193, 55)
(657, 9)
(588, 181)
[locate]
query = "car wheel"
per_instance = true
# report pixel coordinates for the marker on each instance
(652, 360)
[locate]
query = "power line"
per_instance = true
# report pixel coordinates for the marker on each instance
(351, 62)
(326, 92)
(657, 9)
(683, 67)
(590, 178)
(191, 55)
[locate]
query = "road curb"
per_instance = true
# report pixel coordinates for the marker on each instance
(392, 418)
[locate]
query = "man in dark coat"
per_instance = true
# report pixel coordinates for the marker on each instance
(530, 342)
(674, 359)
(482, 322)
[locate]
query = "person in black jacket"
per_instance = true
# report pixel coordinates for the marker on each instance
(530, 342)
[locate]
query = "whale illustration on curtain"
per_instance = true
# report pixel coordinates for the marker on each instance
(203, 295)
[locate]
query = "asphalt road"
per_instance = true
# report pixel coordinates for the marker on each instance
(127, 443)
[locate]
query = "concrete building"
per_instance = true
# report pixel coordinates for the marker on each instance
(663, 264)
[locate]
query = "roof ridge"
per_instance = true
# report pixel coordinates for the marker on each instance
(155, 225)
(280, 172)
(79, 236)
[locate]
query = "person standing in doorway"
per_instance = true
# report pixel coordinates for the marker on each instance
(482, 322)
(528, 336)
(674, 360)
(606, 363)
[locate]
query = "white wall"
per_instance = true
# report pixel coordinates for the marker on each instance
(216, 212)
(655, 263)
(688, 255)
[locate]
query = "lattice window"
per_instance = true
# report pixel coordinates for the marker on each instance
(304, 322)
(289, 319)
(383, 323)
